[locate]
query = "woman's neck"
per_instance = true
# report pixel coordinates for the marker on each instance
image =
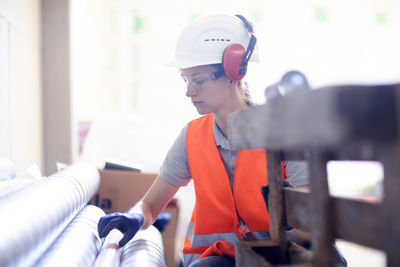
(221, 118)
(222, 124)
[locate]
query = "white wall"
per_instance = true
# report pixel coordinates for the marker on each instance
(118, 64)
(331, 42)
(4, 91)
(20, 84)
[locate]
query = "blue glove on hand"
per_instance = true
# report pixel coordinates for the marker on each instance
(128, 224)
(162, 221)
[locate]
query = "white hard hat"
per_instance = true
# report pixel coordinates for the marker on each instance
(204, 40)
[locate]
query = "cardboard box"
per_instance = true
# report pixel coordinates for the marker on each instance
(120, 190)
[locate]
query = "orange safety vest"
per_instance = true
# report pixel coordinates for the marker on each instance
(214, 227)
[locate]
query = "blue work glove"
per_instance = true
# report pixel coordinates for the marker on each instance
(128, 224)
(162, 221)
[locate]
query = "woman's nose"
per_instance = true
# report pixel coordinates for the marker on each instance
(190, 91)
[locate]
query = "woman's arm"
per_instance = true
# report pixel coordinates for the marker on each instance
(154, 201)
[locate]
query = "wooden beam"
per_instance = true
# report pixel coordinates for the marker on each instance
(247, 256)
(391, 210)
(327, 118)
(297, 208)
(275, 201)
(358, 221)
(349, 217)
(321, 215)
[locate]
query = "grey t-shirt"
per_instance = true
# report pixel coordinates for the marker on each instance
(175, 168)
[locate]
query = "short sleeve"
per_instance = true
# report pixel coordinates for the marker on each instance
(175, 168)
(297, 172)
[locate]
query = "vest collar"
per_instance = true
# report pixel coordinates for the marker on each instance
(220, 139)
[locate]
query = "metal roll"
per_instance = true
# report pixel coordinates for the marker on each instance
(33, 217)
(145, 250)
(79, 243)
(7, 170)
(110, 254)
(9, 186)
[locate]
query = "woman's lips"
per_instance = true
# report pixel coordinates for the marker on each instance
(196, 102)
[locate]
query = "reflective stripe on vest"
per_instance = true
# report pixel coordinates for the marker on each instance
(231, 238)
(214, 216)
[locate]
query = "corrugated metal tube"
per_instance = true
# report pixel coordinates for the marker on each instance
(110, 254)
(33, 217)
(9, 186)
(79, 243)
(7, 169)
(145, 250)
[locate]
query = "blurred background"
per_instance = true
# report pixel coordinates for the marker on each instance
(85, 79)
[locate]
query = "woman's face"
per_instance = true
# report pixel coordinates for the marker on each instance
(208, 89)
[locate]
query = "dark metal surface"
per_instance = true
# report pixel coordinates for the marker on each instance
(33, 217)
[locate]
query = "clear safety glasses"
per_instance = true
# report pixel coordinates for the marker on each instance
(198, 80)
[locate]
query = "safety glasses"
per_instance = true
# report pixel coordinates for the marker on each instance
(198, 80)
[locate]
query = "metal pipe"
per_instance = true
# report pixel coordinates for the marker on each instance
(7, 170)
(145, 250)
(34, 216)
(110, 254)
(79, 243)
(9, 186)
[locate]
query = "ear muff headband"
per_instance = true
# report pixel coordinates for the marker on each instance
(235, 57)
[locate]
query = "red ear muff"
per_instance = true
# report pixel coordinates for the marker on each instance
(232, 62)
(236, 56)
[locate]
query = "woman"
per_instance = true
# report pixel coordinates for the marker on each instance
(212, 54)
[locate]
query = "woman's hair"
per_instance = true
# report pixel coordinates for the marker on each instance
(243, 87)
(244, 91)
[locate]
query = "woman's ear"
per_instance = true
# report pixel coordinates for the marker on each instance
(232, 82)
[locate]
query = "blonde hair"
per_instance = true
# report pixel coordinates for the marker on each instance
(245, 93)
(243, 88)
